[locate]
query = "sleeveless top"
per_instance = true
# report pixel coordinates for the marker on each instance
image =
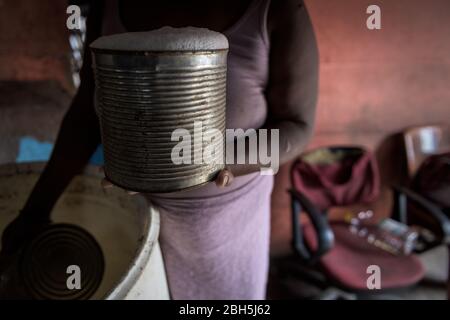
(247, 77)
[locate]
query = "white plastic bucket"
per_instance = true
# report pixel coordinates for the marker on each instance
(124, 227)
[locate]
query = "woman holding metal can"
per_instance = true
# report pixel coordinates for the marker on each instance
(215, 239)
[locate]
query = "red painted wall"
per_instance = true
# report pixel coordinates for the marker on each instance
(375, 82)
(34, 43)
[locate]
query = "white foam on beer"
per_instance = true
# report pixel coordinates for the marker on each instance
(164, 39)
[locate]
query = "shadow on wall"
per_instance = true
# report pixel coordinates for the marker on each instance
(32, 150)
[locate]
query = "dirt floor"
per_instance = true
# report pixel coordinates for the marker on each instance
(289, 285)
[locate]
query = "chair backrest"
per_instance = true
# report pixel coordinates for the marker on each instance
(337, 176)
(421, 142)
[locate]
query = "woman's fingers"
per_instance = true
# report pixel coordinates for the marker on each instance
(224, 178)
(106, 184)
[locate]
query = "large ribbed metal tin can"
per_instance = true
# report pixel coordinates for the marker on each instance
(142, 97)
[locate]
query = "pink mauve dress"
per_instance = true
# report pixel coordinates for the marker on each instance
(215, 241)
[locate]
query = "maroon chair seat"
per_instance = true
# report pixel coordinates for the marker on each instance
(346, 263)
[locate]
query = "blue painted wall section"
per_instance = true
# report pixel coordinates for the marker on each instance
(31, 149)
